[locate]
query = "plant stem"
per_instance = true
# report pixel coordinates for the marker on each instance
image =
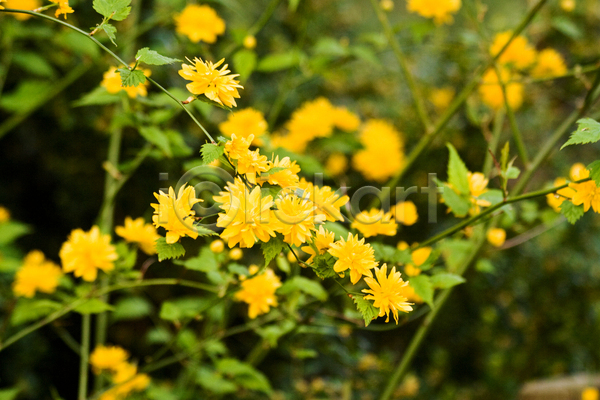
(493, 145)
(86, 323)
(416, 95)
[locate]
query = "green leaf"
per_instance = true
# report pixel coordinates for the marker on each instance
(130, 308)
(338, 229)
(97, 96)
(513, 173)
(184, 308)
(485, 265)
(244, 374)
(283, 264)
(244, 61)
(280, 61)
(34, 63)
(504, 156)
(158, 138)
(423, 287)
(127, 256)
(12, 230)
(304, 285)
(110, 31)
(9, 394)
(211, 152)
(131, 77)
(455, 252)
(151, 57)
(202, 231)
(588, 131)
(594, 169)
(25, 96)
(113, 9)
(93, 306)
(293, 5)
(273, 333)
(446, 280)
(323, 266)
(31, 309)
(571, 211)
(460, 206)
(366, 308)
(457, 172)
(390, 254)
(272, 248)
(166, 251)
(214, 382)
(205, 262)
(494, 196)
(567, 26)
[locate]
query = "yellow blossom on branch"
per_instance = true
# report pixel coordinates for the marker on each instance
(297, 218)
(22, 5)
(519, 53)
(251, 164)
(322, 241)
(86, 252)
(439, 10)
(327, 201)
(337, 164)
(199, 23)
(126, 380)
(405, 213)
(259, 293)
(556, 199)
(212, 82)
(355, 255)
(286, 177)
(578, 171)
(36, 274)
(375, 222)
(496, 236)
(345, 119)
(111, 81)
(549, 63)
(387, 292)
(63, 8)
(491, 90)
(175, 214)
(383, 153)
(586, 193)
(107, 358)
(138, 231)
(244, 123)
(233, 190)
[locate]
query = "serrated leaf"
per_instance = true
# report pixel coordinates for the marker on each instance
(166, 251)
(366, 308)
(131, 78)
(588, 131)
(110, 31)
(113, 9)
(571, 211)
(305, 285)
(594, 169)
(152, 57)
(423, 287)
(211, 152)
(323, 266)
(158, 138)
(459, 205)
(446, 280)
(93, 306)
(203, 231)
(457, 171)
(272, 248)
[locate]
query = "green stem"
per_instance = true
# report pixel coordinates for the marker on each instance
(416, 95)
(86, 323)
(493, 145)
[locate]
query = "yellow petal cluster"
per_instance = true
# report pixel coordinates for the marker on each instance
(124, 375)
(22, 5)
(586, 193)
(519, 54)
(36, 274)
(491, 92)
(107, 358)
(321, 242)
(259, 293)
(405, 213)
(383, 153)
(297, 217)
(199, 23)
(327, 201)
(244, 123)
(496, 236)
(375, 222)
(111, 81)
(387, 292)
(287, 177)
(353, 254)
(175, 214)
(138, 231)
(63, 8)
(555, 200)
(439, 10)
(336, 164)
(247, 162)
(86, 252)
(210, 81)
(549, 63)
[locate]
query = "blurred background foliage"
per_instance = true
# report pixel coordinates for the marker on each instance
(526, 312)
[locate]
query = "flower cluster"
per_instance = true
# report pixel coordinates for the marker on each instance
(138, 231)
(244, 123)
(212, 82)
(199, 23)
(175, 214)
(439, 10)
(577, 172)
(36, 274)
(63, 8)
(259, 292)
(86, 252)
(383, 153)
(124, 375)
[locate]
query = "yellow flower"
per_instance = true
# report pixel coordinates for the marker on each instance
(496, 237)
(567, 5)
(248, 218)
(441, 98)
(439, 10)
(4, 214)
(1, 6)
(297, 217)
(375, 222)
(549, 63)
(249, 42)
(175, 214)
(588, 194)
(405, 212)
(590, 393)
(383, 154)
(322, 241)
(238, 146)
(244, 123)
(86, 252)
(126, 380)
(252, 163)
(236, 254)
(36, 274)
(233, 190)
(420, 255)
(284, 178)
(111, 81)
(345, 119)
(107, 358)
(22, 5)
(259, 293)
(217, 246)
(556, 199)
(578, 171)
(137, 231)
(336, 164)
(410, 270)
(293, 142)
(519, 53)
(63, 8)
(387, 292)
(212, 82)
(477, 186)
(327, 201)
(199, 23)
(492, 94)
(409, 293)
(355, 255)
